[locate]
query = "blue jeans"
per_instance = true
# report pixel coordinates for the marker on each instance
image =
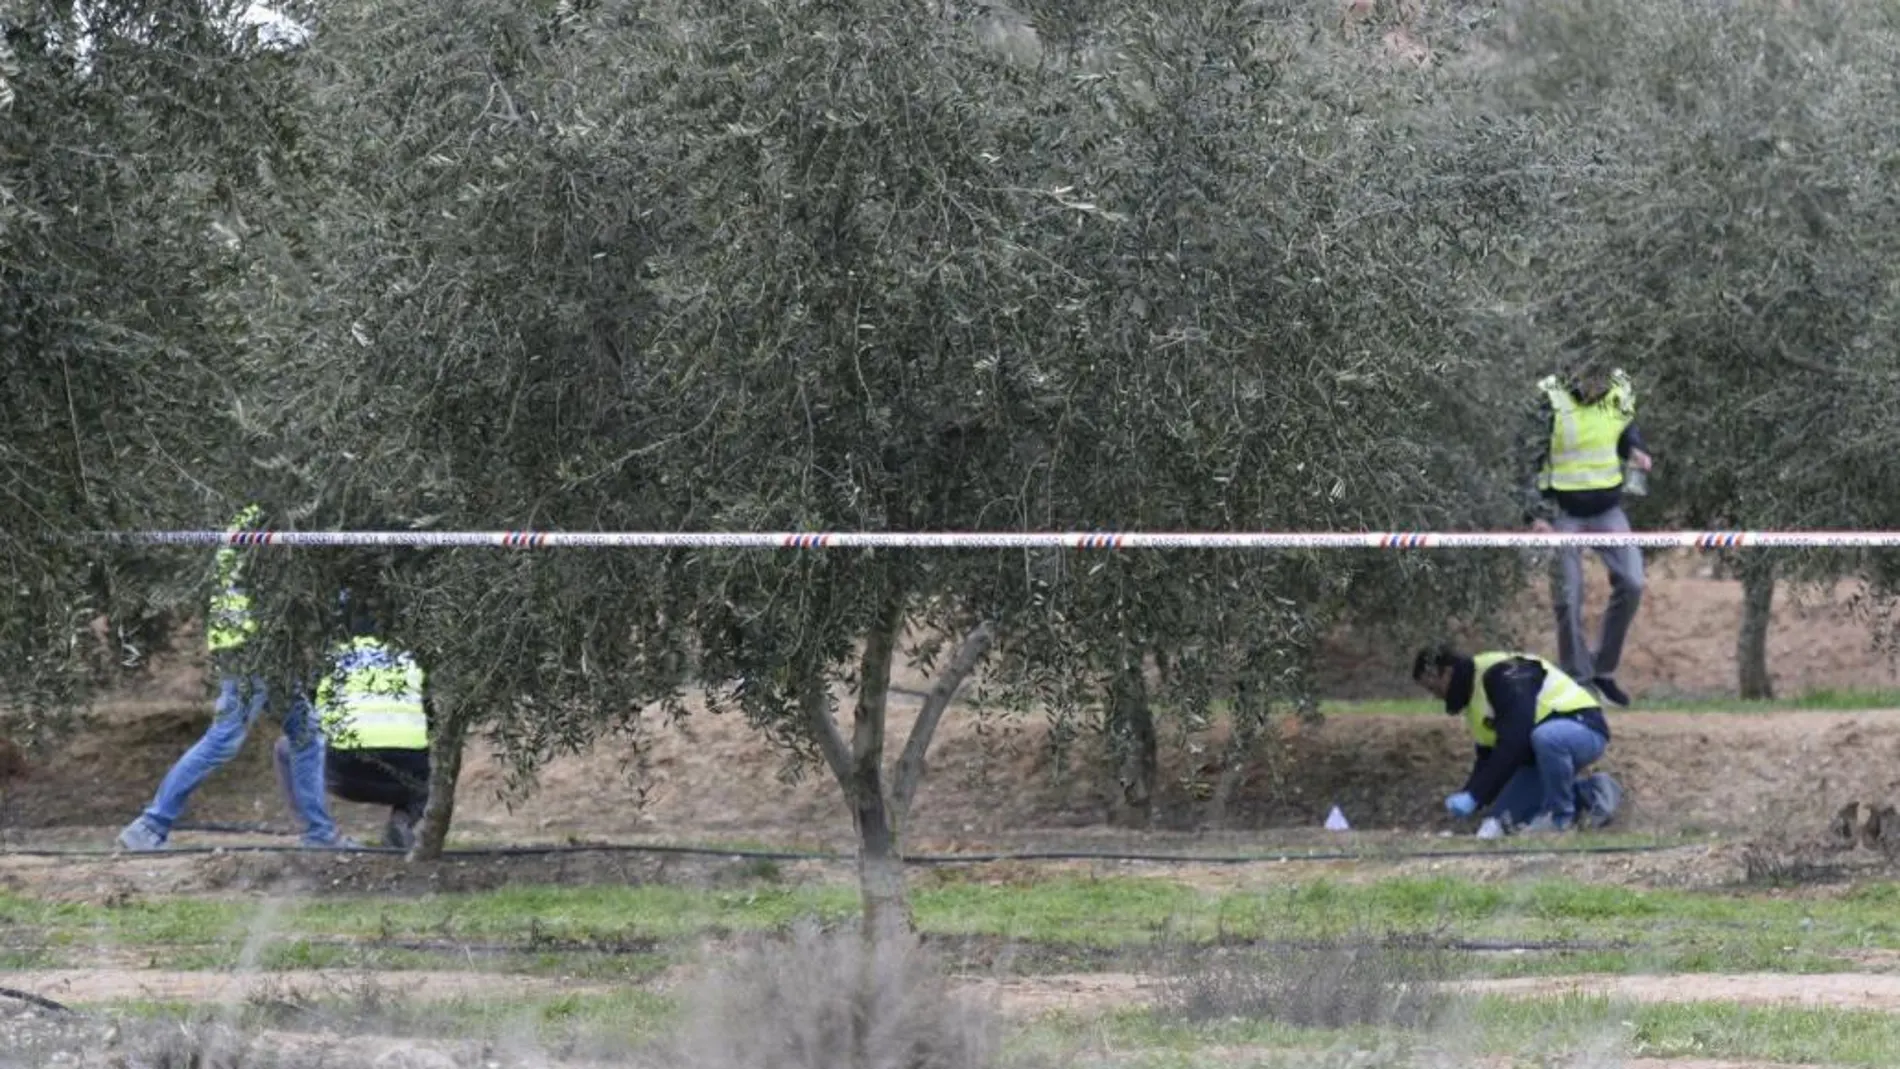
(240, 701)
(1561, 748)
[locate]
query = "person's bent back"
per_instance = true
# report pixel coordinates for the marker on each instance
(1536, 733)
(373, 706)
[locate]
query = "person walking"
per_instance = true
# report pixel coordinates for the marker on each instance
(1536, 732)
(373, 707)
(1583, 434)
(242, 696)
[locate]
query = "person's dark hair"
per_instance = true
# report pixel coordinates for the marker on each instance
(1434, 659)
(362, 623)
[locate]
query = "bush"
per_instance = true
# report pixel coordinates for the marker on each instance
(824, 1000)
(1329, 984)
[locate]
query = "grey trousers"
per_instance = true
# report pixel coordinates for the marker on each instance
(1566, 596)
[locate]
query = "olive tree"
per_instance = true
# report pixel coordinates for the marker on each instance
(958, 316)
(133, 134)
(1276, 302)
(1728, 230)
(462, 277)
(821, 267)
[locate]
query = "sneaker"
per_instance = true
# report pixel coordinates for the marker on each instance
(400, 832)
(1607, 689)
(140, 837)
(1603, 797)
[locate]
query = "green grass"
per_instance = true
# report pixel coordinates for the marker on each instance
(1492, 1025)
(610, 1021)
(1829, 700)
(1695, 1029)
(1676, 930)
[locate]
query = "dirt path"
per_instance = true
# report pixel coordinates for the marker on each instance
(1246, 1055)
(86, 986)
(1018, 996)
(1847, 991)
(1098, 992)
(1033, 996)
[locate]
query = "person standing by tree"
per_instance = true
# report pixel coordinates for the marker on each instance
(242, 696)
(373, 707)
(1581, 436)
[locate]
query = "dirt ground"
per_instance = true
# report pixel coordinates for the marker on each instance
(1683, 642)
(1844, 991)
(76, 987)
(1016, 996)
(994, 780)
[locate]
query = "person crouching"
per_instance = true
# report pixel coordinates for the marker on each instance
(1536, 730)
(374, 710)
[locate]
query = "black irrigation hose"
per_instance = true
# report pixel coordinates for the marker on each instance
(963, 858)
(838, 858)
(31, 999)
(1046, 855)
(229, 828)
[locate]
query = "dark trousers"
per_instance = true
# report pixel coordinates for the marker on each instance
(398, 779)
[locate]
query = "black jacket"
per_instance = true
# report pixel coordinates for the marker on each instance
(1512, 687)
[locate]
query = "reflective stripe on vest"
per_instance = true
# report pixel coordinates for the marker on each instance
(372, 699)
(1583, 437)
(229, 622)
(1559, 696)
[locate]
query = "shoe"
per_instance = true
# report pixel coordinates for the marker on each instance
(1604, 798)
(1607, 689)
(400, 832)
(140, 837)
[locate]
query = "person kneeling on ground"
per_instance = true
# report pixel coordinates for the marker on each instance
(374, 710)
(1536, 732)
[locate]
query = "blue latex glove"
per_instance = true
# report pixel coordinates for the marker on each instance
(1461, 804)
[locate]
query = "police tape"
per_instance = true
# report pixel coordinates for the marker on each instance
(1085, 540)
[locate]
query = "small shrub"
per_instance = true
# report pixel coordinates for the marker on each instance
(830, 1001)
(1328, 984)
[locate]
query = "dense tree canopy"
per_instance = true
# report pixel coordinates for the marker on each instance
(130, 153)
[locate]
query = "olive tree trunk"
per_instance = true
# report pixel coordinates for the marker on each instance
(1751, 646)
(1133, 742)
(1247, 725)
(858, 765)
(1233, 773)
(446, 742)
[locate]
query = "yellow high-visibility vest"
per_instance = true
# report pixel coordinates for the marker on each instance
(372, 699)
(1583, 437)
(229, 622)
(1559, 695)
